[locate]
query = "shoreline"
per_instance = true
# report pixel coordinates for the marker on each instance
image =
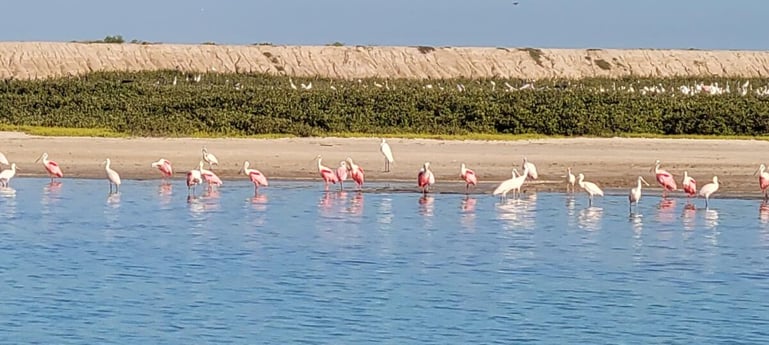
(612, 163)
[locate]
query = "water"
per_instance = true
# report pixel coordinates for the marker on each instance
(297, 265)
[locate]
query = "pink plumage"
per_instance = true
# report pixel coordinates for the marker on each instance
(257, 178)
(53, 169)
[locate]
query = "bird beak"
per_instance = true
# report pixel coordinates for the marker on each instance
(38, 158)
(644, 181)
(756, 173)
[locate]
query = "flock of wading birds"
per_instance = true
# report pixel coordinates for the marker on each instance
(425, 178)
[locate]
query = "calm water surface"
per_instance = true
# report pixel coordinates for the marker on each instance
(297, 265)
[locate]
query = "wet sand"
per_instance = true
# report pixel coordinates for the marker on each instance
(612, 163)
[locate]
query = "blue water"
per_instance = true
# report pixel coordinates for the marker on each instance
(297, 265)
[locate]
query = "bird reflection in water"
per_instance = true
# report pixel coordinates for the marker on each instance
(688, 216)
(426, 205)
(468, 213)
(259, 202)
(165, 190)
(665, 210)
(518, 213)
(711, 218)
(356, 204)
(763, 212)
(590, 218)
(113, 200)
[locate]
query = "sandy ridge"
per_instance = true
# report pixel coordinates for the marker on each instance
(31, 60)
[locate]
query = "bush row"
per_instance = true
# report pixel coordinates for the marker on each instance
(171, 103)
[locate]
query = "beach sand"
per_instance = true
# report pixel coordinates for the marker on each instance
(613, 163)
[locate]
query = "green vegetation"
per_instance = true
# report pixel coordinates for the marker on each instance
(336, 44)
(117, 39)
(148, 103)
(425, 49)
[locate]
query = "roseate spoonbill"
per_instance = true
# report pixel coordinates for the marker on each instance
(763, 179)
(356, 172)
(51, 167)
(469, 177)
(164, 166)
(7, 175)
(589, 187)
(3, 159)
(209, 158)
(708, 190)
(384, 147)
(209, 176)
(689, 184)
(664, 178)
(531, 168)
(112, 176)
(193, 179)
(425, 178)
(326, 173)
(256, 176)
(635, 193)
(341, 174)
(570, 180)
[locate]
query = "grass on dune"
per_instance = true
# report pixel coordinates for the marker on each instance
(63, 131)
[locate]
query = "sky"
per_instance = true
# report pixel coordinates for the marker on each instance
(700, 24)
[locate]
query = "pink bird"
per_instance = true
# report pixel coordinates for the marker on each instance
(763, 179)
(164, 166)
(256, 176)
(52, 167)
(209, 176)
(425, 178)
(690, 185)
(356, 173)
(469, 177)
(341, 174)
(193, 179)
(326, 173)
(664, 178)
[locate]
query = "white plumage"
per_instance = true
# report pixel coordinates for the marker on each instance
(387, 152)
(3, 159)
(708, 190)
(112, 176)
(514, 184)
(531, 168)
(589, 187)
(7, 175)
(209, 158)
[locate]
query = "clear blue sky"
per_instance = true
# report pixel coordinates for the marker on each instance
(704, 24)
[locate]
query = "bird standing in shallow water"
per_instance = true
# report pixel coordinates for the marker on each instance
(112, 176)
(708, 190)
(326, 173)
(763, 180)
(341, 174)
(665, 179)
(425, 178)
(356, 173)
(469, 177)
(570, 180)
(164, 166)
(635, 194)
(689, 184)
(7, 175)
(531, 168)
(256, 176)
(51, 167)
(589, 187)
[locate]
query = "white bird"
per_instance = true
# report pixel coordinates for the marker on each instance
(589, 187)
(708, 190)
(307, 86)
(529, 166)
(112, 176)
(635, 193)
(3, 159)
(293, 86)
(514, 184)
(7, 175)
(493, 85)
(384, 147)
(571, 180)
(209, 158)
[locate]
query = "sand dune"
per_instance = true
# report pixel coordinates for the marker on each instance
(30, 60)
